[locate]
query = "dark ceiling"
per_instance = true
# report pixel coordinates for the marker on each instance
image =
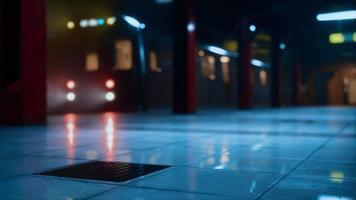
(216, 19)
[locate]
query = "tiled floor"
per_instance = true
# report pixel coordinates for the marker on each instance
(295, 153)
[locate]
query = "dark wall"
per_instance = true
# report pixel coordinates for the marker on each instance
(10, 34)
(23, 63)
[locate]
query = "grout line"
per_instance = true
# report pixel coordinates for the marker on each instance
(299, 164)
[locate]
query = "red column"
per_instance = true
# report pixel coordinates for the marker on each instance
(184, 57)
(23, 95)
(244, 85)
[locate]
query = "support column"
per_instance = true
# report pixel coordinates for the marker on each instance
(244, 85)
(297, 77)
(23, 88)
(276, 71)
(184, 57)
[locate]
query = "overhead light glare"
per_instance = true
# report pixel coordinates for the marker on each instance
(132, 21)
(163, 1)
(282, 46)
(253, 28)
(342, 15)
(257, 63)
(217, 50)
(191, 27)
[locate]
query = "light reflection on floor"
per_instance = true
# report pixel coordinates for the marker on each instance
(295, 153)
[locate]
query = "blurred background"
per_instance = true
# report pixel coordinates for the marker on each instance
(123, 55)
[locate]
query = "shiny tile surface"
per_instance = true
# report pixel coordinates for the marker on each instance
(209, 181)
(34, 188)
(130, 193)
(312, 188)
(291, 153)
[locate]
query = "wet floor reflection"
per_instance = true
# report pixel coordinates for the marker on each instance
(70, 123)
(109, 119)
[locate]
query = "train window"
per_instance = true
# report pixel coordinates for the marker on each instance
(208, 67)
(263, 77)
(92, 62)
(154, 62)
(123, 55)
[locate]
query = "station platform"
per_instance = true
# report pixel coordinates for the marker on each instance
(268, 154)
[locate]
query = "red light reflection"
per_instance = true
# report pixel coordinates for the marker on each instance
(109, 119)
(70, 123)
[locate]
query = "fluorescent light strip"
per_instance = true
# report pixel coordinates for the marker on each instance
(343, 15)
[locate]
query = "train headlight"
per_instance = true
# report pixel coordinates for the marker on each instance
(71, 96)
(110, 96)
(110, 84)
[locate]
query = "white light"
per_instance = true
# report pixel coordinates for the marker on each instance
(132, 21)
(93, 22)
(257, 63)
(333, 197)
(142, 26)
(252, 28)
(191, 27)
(71, 96)
(343, 15)
(110, 96)
(84, 23)
(282, 46)
(70, 25)
(111, 21)
(224, 59)
(217, 50)
(164, 1)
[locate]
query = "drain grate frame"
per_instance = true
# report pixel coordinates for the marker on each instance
(105, 171)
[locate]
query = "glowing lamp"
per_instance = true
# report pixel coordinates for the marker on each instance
(70, 25)
(110, 96)
(336, 38)
(110, 84)
(71, 96)
(224, 59)
(71, 84)
(252, 28)
(191, 27)
(111, 21)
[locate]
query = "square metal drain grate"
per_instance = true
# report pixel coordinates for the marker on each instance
(105, 171)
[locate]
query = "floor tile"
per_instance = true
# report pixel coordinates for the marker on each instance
(216, 182)
(23, 165)
(35, 188)
(227, 161)
(319, 189)
(130, 193)
(329, 170)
